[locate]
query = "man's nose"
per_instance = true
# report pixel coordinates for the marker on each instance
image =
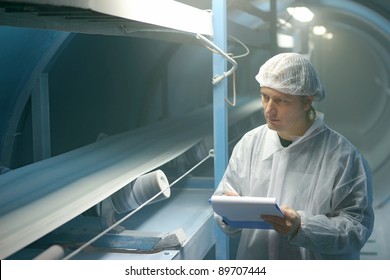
(270, 108)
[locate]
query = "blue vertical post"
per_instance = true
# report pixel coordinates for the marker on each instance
(220, 114)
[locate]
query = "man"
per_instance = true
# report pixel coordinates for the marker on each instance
(321, 180)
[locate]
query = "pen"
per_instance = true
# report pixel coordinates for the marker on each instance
(228, 187)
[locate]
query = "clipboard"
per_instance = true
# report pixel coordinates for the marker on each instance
(245, 211)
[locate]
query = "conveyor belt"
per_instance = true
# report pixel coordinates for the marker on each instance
(38, 198)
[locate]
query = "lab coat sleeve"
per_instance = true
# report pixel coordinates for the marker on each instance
(229, 231)
(347, 227)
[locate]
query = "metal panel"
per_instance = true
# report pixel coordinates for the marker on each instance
(165, 13)
(41, 119)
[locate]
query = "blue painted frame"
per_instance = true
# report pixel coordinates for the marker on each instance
(220, 114)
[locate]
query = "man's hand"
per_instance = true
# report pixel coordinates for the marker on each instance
(287, 225)
(229, 191)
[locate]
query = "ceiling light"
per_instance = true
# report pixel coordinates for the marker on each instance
(328, 36)
(319, 30)
(285, 41)
(284, 23)
(302, 14)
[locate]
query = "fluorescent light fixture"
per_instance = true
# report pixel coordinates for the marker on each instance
(320, 30)
(301, 14)
(285, 41)
(328, 36)
(284, 23)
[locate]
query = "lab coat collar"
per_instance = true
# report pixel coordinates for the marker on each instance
(317, 126)
(272, 142)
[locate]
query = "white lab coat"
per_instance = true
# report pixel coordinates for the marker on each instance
(321, 175)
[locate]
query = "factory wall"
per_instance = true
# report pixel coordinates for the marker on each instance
(102, 85)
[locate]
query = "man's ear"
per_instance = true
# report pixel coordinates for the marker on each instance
(308, 100)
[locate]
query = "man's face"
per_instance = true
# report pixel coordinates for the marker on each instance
(285, 113)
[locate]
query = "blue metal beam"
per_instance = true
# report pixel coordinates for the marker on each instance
(220, 114)
(41, 119)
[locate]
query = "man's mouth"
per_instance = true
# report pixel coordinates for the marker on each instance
(272, 119)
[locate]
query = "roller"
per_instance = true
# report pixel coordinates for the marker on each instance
(141, 190)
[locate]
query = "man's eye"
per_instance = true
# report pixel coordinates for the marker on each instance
(282, 101)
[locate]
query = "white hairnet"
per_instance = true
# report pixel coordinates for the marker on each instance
(291, 73)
